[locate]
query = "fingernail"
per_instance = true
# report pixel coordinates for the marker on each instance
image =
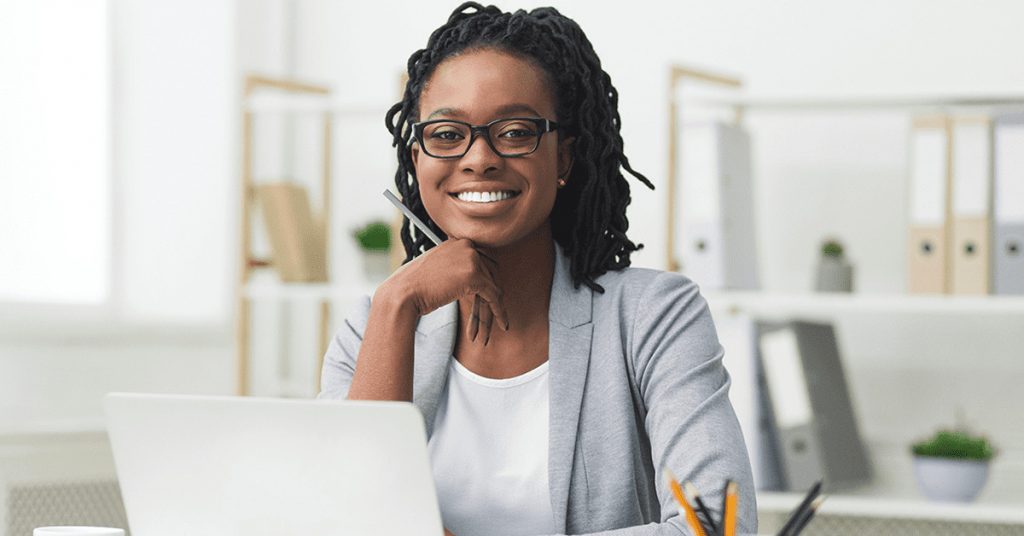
(506, 325)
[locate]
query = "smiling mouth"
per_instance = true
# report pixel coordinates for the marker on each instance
(485, 197)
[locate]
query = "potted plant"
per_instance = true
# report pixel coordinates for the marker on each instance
(952, 465)
(374, 239)
(835, 273)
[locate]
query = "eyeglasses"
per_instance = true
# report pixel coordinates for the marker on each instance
(511, 137)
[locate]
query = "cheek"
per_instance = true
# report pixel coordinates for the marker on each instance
(429, 176)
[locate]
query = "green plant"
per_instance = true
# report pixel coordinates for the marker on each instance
(374, 236)
(832, 248)
(955, 444)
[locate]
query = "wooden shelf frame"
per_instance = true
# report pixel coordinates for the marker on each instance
(247, 261)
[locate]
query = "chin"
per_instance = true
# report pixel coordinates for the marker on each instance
(497, 236)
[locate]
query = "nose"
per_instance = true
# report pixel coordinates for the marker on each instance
(481, 159)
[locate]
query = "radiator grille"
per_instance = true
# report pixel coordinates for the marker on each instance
(89, 503)
(840, 525)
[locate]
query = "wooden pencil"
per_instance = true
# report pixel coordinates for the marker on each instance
(691, 516)
(732, 501)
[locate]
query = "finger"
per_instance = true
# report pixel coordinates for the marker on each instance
(474, 318)
(499, 310)
(491, 296)
(488, 257)
(487, 319)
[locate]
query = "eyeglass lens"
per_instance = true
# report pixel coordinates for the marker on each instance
(509, 137)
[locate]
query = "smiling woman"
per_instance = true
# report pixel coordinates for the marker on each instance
(556, 382)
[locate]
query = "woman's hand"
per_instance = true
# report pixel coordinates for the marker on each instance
(452, 270)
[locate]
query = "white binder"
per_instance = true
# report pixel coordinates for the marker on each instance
(1008, 214)
(972, 205)
(927, 248)
(716, 241)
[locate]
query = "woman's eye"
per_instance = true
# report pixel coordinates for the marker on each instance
(518, 133)
(446, 135)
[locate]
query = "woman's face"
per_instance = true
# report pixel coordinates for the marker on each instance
(477, 88)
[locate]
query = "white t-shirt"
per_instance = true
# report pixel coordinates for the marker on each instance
(489, 454)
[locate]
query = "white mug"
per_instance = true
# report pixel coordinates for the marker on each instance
(77, 531)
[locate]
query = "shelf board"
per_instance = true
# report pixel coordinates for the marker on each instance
(311, 104)
(272, 290)
(864, 102)
(777, 304)
(882, 507)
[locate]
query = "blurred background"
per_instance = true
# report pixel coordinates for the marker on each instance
(183, 185)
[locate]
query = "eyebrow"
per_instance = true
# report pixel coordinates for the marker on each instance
(506, 109)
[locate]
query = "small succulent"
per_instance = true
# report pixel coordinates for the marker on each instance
(955, 444)
(832, 248)
(374, 236)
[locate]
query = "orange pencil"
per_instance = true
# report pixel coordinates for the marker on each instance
(732, 503)
(691, 516)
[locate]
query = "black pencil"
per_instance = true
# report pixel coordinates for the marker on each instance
(708, 520)
(806, 518)
(799, 511)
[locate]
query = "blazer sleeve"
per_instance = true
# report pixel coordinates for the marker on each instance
(684, 386)
(691, 424)
(340, 359)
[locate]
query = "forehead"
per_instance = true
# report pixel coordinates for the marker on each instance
(482, 85)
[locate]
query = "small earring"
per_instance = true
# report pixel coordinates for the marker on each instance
(561, 183)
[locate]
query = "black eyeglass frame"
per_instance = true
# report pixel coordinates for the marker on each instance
(543, 126)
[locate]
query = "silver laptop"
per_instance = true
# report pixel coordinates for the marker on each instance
(231, 466)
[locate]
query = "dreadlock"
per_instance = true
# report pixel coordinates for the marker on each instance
(589, 216)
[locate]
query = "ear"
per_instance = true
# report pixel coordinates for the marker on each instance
(565, 157)
(414, 155)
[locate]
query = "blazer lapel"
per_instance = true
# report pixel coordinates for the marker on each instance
(435, 344)
(569, 337)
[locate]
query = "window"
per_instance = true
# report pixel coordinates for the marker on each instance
(55, 139)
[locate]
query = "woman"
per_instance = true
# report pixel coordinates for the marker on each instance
(556, 382)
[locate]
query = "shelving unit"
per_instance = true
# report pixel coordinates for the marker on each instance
(248, 262)
(885, 332)
(291, 98)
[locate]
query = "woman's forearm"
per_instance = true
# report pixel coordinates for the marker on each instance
(384, 369)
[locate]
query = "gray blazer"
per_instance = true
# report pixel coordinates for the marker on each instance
(637, 384)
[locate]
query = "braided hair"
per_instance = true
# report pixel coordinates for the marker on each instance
(589, 217)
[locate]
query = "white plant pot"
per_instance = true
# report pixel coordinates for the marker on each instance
(376, 265)
(942, 479)
(834, 275)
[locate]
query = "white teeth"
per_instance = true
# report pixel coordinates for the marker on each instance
(484, 197)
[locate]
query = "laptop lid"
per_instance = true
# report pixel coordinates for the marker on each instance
(226, 466)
